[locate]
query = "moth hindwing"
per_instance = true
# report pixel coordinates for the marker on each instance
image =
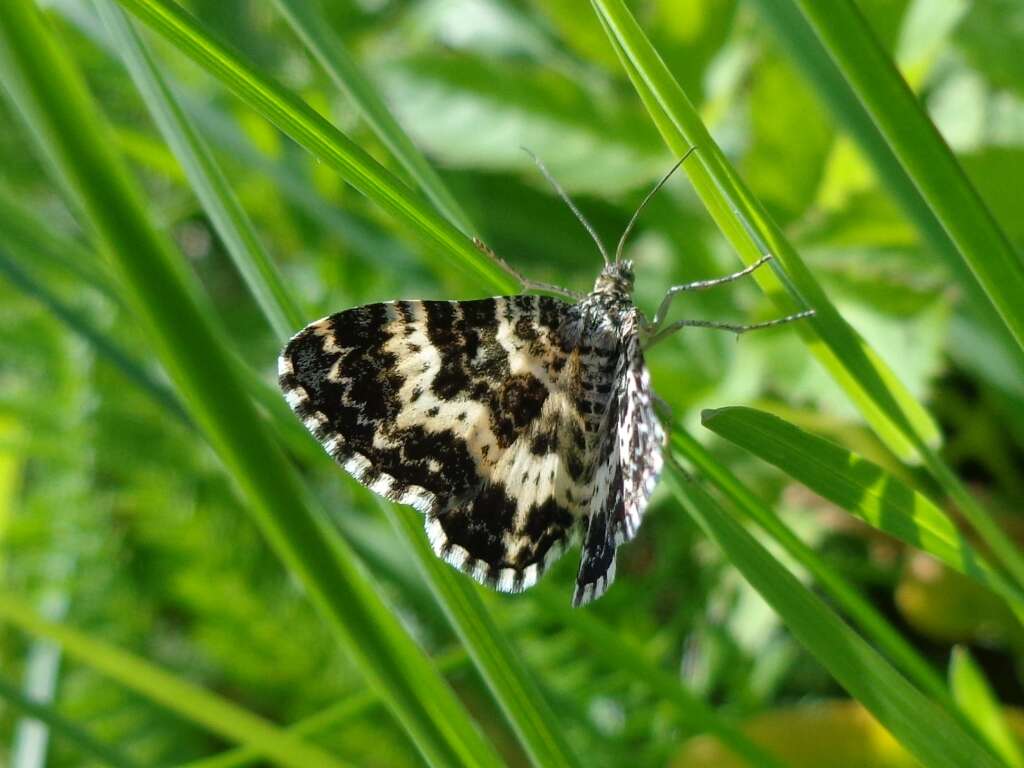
(516, 424)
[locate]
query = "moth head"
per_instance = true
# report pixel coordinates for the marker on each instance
(616, 277)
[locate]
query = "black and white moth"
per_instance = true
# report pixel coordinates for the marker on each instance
(516, 424)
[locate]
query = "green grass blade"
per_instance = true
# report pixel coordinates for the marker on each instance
(623, 653)
(924, 729)
(519, 696)
(976, 698)
(119, 357)
(798, 41)
(924, 154)
(315, 32)
(195, 704)
(357, 705)
(206, 178)
(49, 93)
(312, 131)
(862, 488)
(63, 728)
(873, 624)
(894, 414)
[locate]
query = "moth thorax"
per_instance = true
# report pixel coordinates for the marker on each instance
(615, 278)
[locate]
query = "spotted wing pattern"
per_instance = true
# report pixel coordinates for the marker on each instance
(477, 413)
(627, 462)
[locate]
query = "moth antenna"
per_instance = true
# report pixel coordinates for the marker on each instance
(636, 214)
(568, 201)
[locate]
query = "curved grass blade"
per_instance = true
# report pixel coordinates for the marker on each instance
(312, 131)
(867, 618)
(314, 31)
(49, 92)
(216, 714)
(933, 736)
(895, 415)
(205, 177)
(798, 41)
(976, 698)
(862, 488)
(924, 154)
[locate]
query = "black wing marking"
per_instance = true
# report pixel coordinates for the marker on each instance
(465, 410)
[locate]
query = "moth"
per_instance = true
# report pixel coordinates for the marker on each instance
(517, 424)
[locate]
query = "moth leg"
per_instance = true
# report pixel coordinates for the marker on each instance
(526, 283)
(738, 329)
(671, 293)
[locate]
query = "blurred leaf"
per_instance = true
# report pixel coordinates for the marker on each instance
(474, 113)
(992, 36)
(784, 173)
(839, 734)
(975, 697)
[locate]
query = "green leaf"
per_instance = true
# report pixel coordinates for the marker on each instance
(860, 487)
(49, 93)
(461, 108)
(924, 155)
(976, 699)
(928, 732)
(217, 714)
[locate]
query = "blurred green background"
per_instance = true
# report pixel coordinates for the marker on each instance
(118, 519)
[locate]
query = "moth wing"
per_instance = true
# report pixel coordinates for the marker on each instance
(628, 462)
(641, 439)
(463, 410)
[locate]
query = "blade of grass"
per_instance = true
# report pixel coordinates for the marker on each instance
(205, 177)
(862, 488)
(798, 41)
(81, 739)
(120, 358)
(869, 383)
(315, 32)
(898, 419)
(976, 698)
(866, 617)
(49, 93)
(519, 696)
(312, 131)
(924, 154)
(332, 717)
(924, 729)
(535, 724)
(216, 714)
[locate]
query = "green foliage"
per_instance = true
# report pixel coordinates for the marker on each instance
(163, 230)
